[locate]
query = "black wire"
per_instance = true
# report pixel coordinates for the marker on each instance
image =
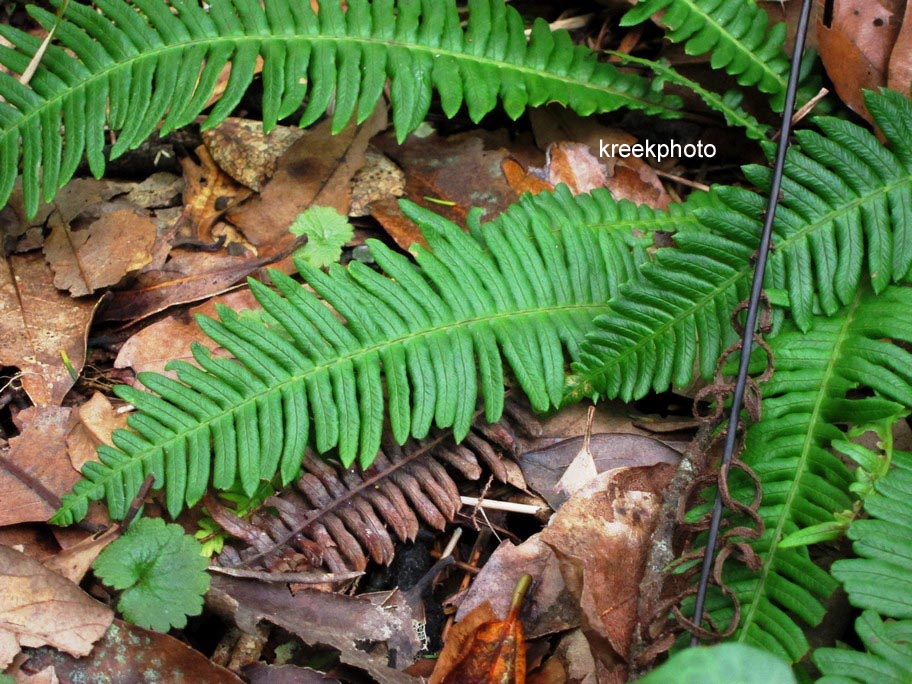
(753, 307)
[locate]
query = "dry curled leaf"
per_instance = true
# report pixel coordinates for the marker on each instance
(97, 422)
(39, 607)
(209, 193)
(38, 326)
(481, 650)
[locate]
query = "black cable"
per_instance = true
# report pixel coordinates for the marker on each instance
(747, 341)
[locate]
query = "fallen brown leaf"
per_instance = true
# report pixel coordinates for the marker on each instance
(101, 254)
(170, 339)
(38, 325)
(39, 607)
(37, 471)
(96, 422)
(899, 70)
(601, 537)
(571, 663)
(544, 468)
(245, 152)
(261, 673)
(488, 651)
(448, 175)
(855, 49)
(316, 170)
(187, 276)
(132, 655)
(209, 192)
(550, 608)
(350, 624)
(74, 562)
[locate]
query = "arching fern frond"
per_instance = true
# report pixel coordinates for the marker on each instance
(846, 203)
(878, 581)
(133, 65)
(810, 403)
(418, 345)
(727, 104)
(735, 31)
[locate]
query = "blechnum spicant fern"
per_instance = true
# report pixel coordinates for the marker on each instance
(846, 372)
(418, 346)
(735, 32)
(879, 582)
(132, 66)
(845, 219)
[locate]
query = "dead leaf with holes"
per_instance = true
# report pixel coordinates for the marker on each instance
(100, 255)
(856, 47)
(39, 327)
(38, 607)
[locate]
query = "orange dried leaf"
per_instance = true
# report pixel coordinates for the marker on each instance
(492, 652)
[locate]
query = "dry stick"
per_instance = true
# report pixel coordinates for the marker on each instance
(287, 577)
(39, 53)
(661, 543)
(750, 324)
(683, 181)
(509, 506)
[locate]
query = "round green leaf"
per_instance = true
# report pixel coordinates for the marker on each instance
(722, 664)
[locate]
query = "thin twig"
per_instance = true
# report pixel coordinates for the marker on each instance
(287, 577)
(509, 506)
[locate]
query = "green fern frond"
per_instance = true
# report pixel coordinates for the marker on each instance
(727, 104)
(846, 204)
(521, 289)
(133, 65)
(807, 406)
(735, 31)
(879, 581)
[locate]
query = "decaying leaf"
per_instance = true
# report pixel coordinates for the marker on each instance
(188, 276)
(37, 471)
(899, 70)
(245, 152)
(209, 192)
(260, 673)
(601, 536)
(97, 420)
(100, 255)
(550, 608)
(128, 654)
(367, 635)
(157, 344)
(39, 607)
(448, 175)
(856, 47)
(316, 170)
(480, 650)
(74, 562)
(378, 179)
(544, 468)
(39, 327)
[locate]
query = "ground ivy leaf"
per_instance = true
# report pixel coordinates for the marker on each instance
(326, 230)
(161, 572)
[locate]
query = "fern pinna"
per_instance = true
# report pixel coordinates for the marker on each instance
(845, 217)
(810, 402)
(878, 583)
(523, 288)
(734, 31)
(130, 66)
